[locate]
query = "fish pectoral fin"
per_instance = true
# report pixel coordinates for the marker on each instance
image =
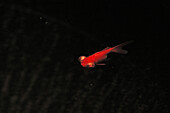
(101, 64)
(91, 64)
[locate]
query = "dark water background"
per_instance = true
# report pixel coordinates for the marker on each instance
(41, 42)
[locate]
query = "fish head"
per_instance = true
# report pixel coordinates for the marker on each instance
(81, 58)
(85, 63)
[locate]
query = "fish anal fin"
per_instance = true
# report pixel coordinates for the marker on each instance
(101, 64)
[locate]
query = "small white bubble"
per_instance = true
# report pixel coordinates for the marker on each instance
(40, 17)
(91, 84)
(46, 22)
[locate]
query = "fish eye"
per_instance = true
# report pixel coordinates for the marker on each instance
(81, 58)
(90, 65)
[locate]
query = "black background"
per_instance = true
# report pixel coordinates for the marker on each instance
(42, 40)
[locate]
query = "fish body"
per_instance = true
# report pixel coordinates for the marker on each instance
(97, 57)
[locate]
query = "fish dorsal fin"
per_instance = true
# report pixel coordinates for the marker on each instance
(106, 48)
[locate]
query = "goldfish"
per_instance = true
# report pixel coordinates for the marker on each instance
(99, 56)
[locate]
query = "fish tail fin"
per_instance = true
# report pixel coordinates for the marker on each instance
(118, 48)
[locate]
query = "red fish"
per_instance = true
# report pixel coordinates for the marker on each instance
(97, 57)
